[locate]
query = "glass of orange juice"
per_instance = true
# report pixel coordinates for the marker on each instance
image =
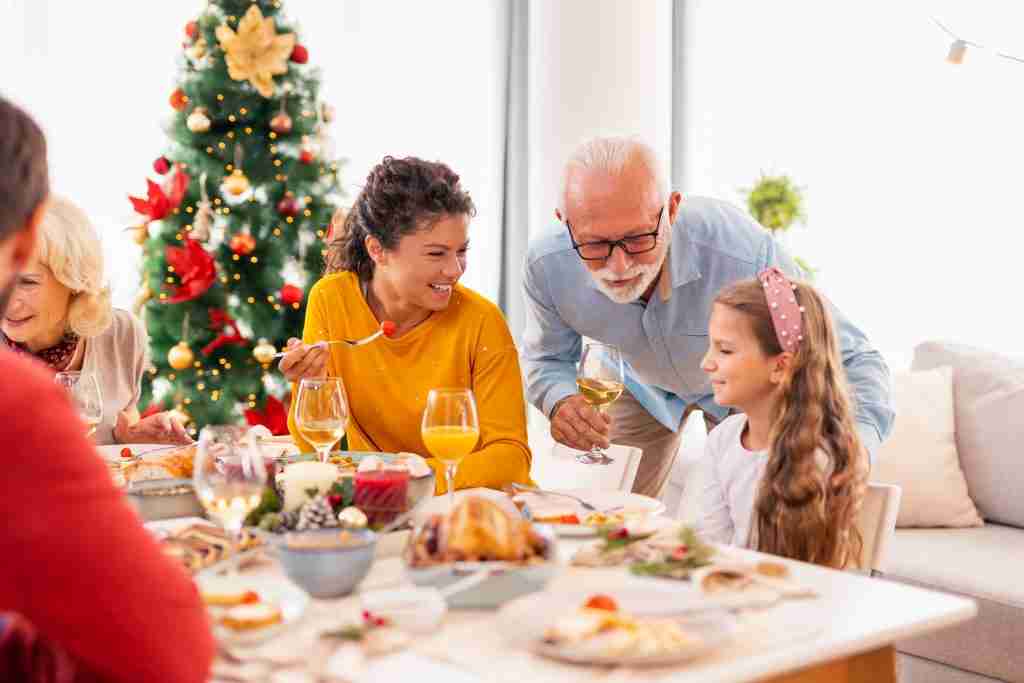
(450, 430)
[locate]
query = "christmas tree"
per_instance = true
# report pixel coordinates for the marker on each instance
(234, 234)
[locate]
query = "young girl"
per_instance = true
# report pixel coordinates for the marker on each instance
(787, 475)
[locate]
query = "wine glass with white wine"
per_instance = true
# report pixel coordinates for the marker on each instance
(85, 394)
(450, 430)
(229, 475)
(600, 381)
(321, 413)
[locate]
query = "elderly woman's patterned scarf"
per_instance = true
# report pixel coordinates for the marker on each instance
(57, 356)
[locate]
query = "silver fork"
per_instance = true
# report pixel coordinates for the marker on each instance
(350, 342)
(529, 489)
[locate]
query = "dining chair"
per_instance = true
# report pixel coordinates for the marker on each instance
(557, 468)
(877, 524)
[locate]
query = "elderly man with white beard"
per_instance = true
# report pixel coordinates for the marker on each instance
(634, 265)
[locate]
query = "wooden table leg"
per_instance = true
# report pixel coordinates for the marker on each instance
(876, 666)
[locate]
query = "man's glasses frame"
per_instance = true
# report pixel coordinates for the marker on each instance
(627, 244)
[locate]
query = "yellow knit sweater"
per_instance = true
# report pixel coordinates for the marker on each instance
(466, 345)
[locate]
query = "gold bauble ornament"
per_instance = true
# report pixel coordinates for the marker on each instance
(236, 184)
(256, 52)
(140, 234)
(198, 121)
(264, 352)
(180, 356)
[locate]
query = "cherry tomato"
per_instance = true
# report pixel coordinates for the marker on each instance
(604, 602)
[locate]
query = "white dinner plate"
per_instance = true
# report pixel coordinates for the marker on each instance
(289, 598)
(523, 621)
(630, 503)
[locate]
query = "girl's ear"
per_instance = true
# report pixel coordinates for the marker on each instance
(781, 367)
(376, 250)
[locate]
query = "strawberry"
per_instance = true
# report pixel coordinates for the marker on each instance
(126, 452)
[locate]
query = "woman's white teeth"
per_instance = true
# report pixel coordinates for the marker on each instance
(441, 288)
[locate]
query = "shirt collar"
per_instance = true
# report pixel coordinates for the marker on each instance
(680, 265)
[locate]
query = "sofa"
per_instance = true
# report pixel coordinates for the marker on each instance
(986, 562)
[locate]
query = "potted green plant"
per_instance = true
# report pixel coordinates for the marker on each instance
(777, 203)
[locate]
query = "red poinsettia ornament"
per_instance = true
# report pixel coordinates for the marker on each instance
(226, 328)
(160, 202)
(273, 416)
(196, 269)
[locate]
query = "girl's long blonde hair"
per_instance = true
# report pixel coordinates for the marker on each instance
(802, 511)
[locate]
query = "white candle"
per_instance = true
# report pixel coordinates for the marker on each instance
(300, 477)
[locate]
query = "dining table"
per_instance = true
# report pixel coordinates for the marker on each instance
(845, 633)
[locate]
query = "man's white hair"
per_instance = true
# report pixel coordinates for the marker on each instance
(611, 155)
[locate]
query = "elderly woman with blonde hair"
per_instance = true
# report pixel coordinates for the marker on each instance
(60, 312)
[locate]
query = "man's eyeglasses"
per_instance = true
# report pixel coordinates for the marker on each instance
(632, 245)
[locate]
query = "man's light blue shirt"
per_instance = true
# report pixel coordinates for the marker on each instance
(663, 341)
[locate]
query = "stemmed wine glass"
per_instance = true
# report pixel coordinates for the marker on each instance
(85, 393)
(229, 475)
(600, 381)
(450, 430)
(321, 413)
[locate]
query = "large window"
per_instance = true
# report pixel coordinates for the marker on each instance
(406, 78)
(911, 166)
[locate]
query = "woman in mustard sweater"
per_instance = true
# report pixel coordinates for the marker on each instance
(399, 256)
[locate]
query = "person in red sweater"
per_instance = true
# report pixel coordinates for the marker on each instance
(86, 593)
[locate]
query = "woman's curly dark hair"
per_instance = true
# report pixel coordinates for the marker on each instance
(400, 197)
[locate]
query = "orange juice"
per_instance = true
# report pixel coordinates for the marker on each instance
(450, 444)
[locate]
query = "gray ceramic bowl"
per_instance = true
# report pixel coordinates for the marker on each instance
(164, 498)
(328, 572)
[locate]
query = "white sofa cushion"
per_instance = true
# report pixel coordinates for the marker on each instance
(988, 392)
(920, 455)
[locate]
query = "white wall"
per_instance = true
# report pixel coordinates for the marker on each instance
(405, 77)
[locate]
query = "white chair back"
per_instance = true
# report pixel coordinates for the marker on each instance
(558, 469)
(877, 524)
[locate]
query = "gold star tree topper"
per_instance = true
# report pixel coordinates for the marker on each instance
(256, 52)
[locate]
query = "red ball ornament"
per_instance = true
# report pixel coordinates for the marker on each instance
(243, 244)
(179, 100)
(290, 295)
(300, 55)
(162, 165)
(192, 30)
(306, 156)
(288, 206)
